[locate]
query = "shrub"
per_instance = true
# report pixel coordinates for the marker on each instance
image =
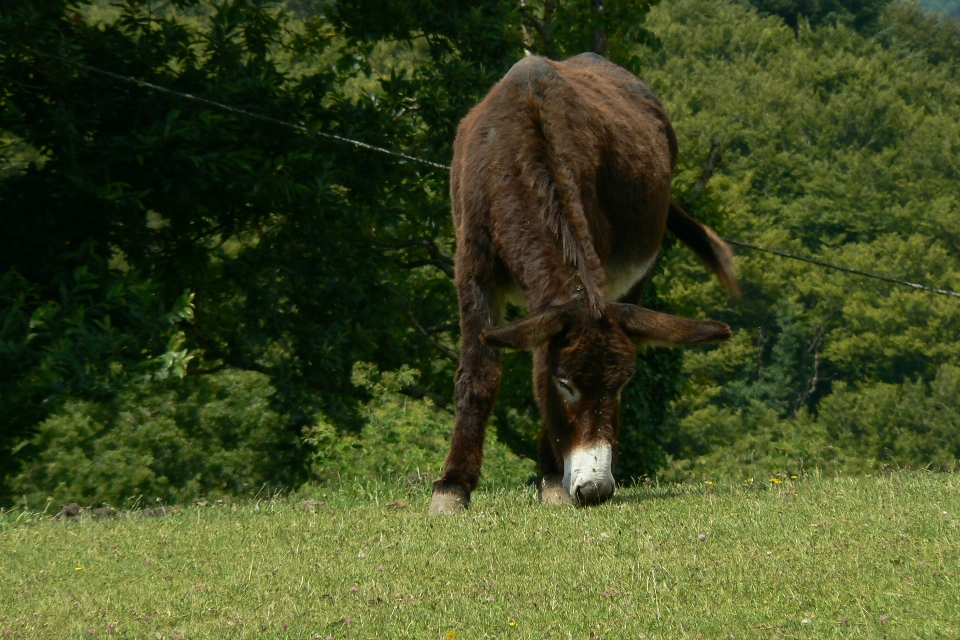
(85, 333)
(401, 436)
(751, 442)
(913, 425)
(910, 425)
(173, 440)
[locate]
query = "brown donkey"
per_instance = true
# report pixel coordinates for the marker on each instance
(560, 186)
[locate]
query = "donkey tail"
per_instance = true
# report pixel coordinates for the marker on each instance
(706, 244)
(551, 110)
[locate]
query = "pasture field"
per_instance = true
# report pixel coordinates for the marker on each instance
(868, 557)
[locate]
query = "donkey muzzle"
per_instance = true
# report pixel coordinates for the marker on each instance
(588, 474)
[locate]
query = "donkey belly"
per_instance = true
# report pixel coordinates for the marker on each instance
(621, 276)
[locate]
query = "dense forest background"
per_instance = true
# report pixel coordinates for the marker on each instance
(195, 303)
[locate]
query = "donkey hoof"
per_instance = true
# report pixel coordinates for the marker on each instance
(552, 491)
(449, 498)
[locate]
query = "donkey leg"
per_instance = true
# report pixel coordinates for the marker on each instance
(550, 483)
(551, 475)
(477, 382)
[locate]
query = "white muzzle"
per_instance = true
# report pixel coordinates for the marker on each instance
(588, 474)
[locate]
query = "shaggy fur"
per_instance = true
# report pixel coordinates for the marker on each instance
(560, 188)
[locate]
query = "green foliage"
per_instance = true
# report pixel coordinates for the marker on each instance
(755, 442)
(950, 8)
(16, 156)
(101, 329)
(833, 145)
(458, 30)
(236, 207)
(400, 437)
(149, 238)
(296, 248)
(910, 425)
(858, 14)
(303, 256)
(936, 39)
(173, 440)
(872, 428)
(562, 29)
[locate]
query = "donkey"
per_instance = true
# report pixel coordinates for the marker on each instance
(560, 189)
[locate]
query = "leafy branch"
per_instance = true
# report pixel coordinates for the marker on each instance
(437, 257)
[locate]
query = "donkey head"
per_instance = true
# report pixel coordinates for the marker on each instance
(582, 361)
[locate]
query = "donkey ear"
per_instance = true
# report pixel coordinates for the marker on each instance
(663, 329)
(527, 333)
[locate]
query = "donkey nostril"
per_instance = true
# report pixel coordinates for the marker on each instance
(592, 492)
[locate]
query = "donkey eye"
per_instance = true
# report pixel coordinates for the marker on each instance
(567, 389)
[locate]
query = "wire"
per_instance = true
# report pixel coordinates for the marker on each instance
(226, 107)
(838, 267)
(437, 165)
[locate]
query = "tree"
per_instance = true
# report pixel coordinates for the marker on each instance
(155, 235)
(292, 249)
(858, 14)
(833, 146)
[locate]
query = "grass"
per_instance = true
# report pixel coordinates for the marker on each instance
(870, 557)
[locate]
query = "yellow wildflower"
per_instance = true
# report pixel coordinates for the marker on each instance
(775, 481)
(450, 635)
(79, 568)
(512, 622)
(793, 477)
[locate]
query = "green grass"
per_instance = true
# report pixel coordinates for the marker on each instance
(872, 557)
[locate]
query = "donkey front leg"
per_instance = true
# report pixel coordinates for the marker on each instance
(477, 382)
(551, 474)
(550, 484)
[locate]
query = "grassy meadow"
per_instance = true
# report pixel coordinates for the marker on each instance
(868, 557)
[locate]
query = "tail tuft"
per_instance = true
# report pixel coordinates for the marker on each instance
(707, 245)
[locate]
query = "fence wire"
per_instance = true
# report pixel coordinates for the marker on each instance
(838, 267)
(232, 109)
(403, 156)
